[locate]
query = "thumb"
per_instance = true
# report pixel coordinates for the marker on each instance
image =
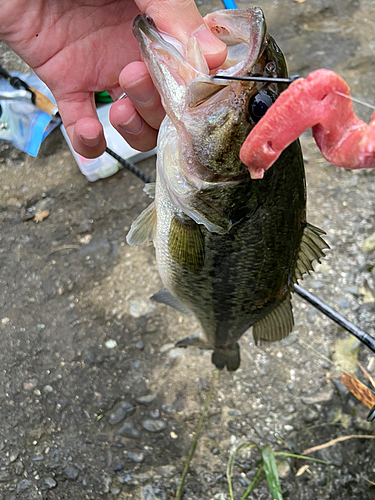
(181, 18)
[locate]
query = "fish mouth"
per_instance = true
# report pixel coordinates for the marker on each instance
(144, 26)
(244, 33)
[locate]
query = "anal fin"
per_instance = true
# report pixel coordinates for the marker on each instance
(142, 229)
(165, 297)
(311, 249)
(195, 340)
(276, 325)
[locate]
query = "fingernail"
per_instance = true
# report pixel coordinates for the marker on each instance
(134, 125)
(142, 90)
(91, 141)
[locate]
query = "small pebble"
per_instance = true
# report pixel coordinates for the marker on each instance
(140, 345)
(71, 472)
(283, 469)
(128, 430)
(111, 344)
(50, 483)
(122, 411)
(152, 492)
(320, 397)
(137, 457)
(144, 400)
(140, 308)
(310, 416)
(177, 352)
(154, 425)
(168, 408)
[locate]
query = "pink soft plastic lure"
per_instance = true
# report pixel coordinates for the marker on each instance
(343, 139)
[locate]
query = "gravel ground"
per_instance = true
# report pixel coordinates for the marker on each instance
(95, 400)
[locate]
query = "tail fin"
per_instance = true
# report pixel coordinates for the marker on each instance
(229, 357)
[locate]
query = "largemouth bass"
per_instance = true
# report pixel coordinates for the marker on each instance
(228, 248)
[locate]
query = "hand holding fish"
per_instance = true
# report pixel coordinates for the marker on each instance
(81, 47)
(321, 101)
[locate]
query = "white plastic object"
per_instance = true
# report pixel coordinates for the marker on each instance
(105, 165)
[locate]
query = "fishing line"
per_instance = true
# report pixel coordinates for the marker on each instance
(354, 99)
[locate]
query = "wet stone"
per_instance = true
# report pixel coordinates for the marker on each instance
(123, 410)
(140, 345)
(283, 469)
(310, 416)
(71, 472)
(152, 492)
(167, 471)
(140, 308)
(342, 302)
(23, 485)
(144, 400)
(154, 425)
(321, 397)
(49, 483)
(128, 430)
(5, 476)
(137, 457)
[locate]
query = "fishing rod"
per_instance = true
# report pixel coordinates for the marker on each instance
(35, 97)
(130, 167)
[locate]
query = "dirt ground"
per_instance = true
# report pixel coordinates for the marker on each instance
(96, 402)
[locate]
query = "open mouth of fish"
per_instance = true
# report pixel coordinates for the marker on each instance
(186, 62)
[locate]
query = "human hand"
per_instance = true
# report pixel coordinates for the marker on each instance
(78, 47)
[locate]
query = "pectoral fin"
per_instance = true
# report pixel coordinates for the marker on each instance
(142, 229)
(149, 189)
(276, 325)
(312, 245)
(165, 297)
(186, 243)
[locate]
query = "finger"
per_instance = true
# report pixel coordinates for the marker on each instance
(82, 125)
(182, 20)
(138, 86)
(131, 126)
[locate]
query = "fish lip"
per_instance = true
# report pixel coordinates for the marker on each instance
(144, 25)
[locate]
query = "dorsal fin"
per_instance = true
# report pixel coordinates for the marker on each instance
(312, 245)
(142, 229)
(276, 325)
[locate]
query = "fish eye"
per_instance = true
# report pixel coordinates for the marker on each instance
(259, 104)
